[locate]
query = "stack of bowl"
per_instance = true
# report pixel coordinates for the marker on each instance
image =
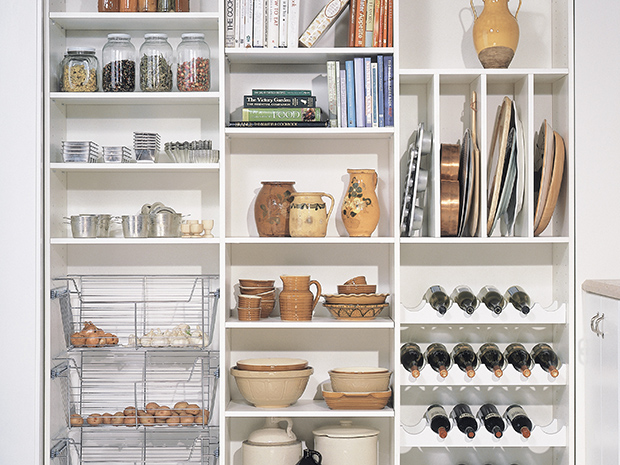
(272, 382)
(355, 300)
(263, 289)
(357, 388)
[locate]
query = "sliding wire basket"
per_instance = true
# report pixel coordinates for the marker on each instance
(105, 389)
(138, 311)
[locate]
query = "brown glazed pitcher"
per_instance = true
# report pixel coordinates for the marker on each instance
(296, 300)
(271, 211)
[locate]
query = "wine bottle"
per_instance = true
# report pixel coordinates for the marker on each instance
(519, 299)
(492, 358)
(492, 298)
(491, 419)
(465, 420)
(465, 298)
(438, 358)
(466, 359)
(438, 420)
(438, 298)
(521, 423)
(412, 358)
(519, 358)
(546, 357)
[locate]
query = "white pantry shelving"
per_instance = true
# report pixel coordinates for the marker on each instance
(436, 69)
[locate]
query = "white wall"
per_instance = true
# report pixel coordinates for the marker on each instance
(20, 223)
(597, 157)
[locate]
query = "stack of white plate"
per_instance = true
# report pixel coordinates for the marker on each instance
(146, 145)
(80, 151)
(117, 154)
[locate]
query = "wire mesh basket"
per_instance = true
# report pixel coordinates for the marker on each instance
(138, 311)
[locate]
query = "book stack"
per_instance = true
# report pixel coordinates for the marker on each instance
(280, 108)
(262, 23)
(371, 23)
(361, 92)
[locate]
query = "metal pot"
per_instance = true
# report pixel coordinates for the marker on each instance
(345, 444)
(83, 226)
(165, 224)
(135, 225)
(103, 225)
(272, 445)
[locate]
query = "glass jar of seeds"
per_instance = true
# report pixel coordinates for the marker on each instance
(119, 64)
(193, 70)
(156, 61)
(78, 70)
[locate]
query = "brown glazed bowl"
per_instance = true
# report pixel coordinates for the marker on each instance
(257, 282)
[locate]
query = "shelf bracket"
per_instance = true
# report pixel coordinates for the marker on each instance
(57, 450)
(58, 292)
(58, 370)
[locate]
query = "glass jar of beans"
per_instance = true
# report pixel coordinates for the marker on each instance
(194, 63)
(119, 64)
(78, 70)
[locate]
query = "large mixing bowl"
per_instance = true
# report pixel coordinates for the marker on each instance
(272, 389)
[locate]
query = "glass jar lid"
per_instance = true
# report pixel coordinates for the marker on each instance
(156, 35)
(193, 35)
(119, 36)
(75, 50)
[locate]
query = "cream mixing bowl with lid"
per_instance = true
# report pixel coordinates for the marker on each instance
(272, 445)
(346, 444)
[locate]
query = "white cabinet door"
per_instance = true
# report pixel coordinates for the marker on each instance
(608, 404)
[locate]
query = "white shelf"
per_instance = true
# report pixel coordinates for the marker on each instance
(134, 167)
(300, 55)
(315, 323)
(323, 133)
(485, 240)
(300, 409)
(555, 314)
(132, 21)
(133, 241)
(135, 98)
(419, 435)
(310, 240)
(456, 377)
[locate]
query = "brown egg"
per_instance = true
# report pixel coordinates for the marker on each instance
(141, 413)
(199, 418)
(130, 421)
(163, 412)
(151, 408)
(94, 419)
(78, 339)
(76, 420)
(129, 411)
(118, 418)
(107, 418)
(173, 419)
(193, 409)
(147, 420)
(180, 407)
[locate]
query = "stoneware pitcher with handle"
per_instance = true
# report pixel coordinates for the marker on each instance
(308, 215)
(296, 299)
(496, 33)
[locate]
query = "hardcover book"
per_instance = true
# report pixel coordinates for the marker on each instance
(343, 110)
(281, 92)
(281, 114)
(258, 34)
(273, 24)
(251, 101)
(360, 23)
(388, 90)
(331, 93)
(351, 117)
(322, 22)
(360, 107)
(367, 92)
(380, 101)
(278, 124)
(283, 27)
(293, 23)
(230, 23)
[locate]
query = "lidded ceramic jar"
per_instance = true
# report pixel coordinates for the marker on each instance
(345, 444)
(272, 445)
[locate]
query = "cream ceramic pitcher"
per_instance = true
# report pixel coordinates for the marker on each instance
(308, 215)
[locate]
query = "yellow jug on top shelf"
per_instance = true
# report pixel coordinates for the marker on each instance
(496, 33)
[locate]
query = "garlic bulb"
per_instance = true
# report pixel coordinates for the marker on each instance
(132, 340)
(178, 341)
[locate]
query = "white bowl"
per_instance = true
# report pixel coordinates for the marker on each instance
(272, 389)
(360, 379)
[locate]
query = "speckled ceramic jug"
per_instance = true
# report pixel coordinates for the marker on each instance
(308, 215)
(360, 207)
(496, 33)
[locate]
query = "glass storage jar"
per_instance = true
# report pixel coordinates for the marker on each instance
(119, 64)
(182, 6)
(165, 5)
(156, 61)
(108, 5)
(128, 6)
(78, 70)
(194, 57)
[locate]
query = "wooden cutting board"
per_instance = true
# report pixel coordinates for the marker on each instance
(555, 184)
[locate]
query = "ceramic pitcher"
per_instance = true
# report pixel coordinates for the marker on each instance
(496, 33)
(308, 215)
(271, 211)
(296, 300)
(360, 207)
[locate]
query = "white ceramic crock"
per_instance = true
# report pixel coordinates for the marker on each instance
(272, 445)
(345, 444)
